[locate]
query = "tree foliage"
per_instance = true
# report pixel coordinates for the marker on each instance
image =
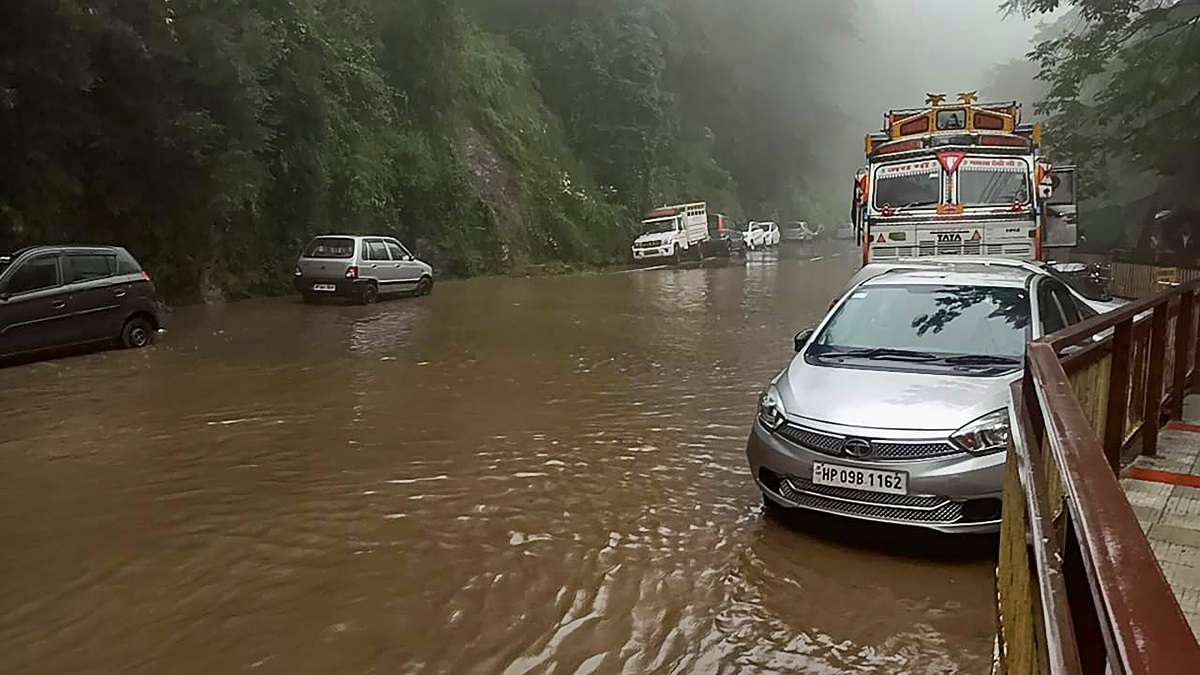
(1123, 84)
(213, 138)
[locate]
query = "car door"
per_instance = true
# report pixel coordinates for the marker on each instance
(96, 294)
(378, 264)
(408, 272)
(34, 307)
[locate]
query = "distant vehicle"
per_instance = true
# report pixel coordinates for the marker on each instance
(895, 407)
(361, 268)
(755, 235)
(773, 236)
(62, 296)
(735, 241)
(796, 231)
(672, 231)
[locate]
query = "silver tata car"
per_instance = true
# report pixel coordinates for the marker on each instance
(894, 408)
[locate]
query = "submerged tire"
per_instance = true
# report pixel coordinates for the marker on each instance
(424, 286)
(368, 295)
(137, 333)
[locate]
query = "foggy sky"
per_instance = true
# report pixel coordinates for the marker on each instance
(911, 47)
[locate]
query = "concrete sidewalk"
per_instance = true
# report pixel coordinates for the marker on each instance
(1165, 494)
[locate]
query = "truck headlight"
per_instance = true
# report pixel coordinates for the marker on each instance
(985, 436)
(770, 409)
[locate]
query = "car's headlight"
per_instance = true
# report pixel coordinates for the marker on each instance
(770, 409)
(985, 436)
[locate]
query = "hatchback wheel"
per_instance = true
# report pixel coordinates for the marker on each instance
(425, 286)
(138, 333)
(368, 295)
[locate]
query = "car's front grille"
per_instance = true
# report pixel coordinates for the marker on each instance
(881, 498)
(830, 444)
(870, 504)
(647, 244)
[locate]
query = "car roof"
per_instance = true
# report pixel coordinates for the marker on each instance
(356, 236)
(101, 248)
(979, 276)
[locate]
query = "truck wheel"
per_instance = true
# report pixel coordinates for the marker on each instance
(678, 255)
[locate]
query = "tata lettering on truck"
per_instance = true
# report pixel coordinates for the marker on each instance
(966, 178)
(672, 232)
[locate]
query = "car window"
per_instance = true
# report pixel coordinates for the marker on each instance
(35, 275)
(126, 264)
(1049, 312)
(375, 250)
(973, 320)
(1066, 302)
(330, 248)
(398, 252)
(88, 266)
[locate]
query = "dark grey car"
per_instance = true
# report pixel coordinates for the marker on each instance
(61, 296)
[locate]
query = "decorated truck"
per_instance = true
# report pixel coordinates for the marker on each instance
(672, 232)
(965, 178)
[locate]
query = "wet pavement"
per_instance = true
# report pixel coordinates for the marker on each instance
(510, 476)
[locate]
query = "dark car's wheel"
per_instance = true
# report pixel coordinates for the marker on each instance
(138, 333)
(369, 294)
(424, 286)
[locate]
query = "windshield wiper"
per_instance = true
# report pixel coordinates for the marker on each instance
(880, 353)
(981, 360)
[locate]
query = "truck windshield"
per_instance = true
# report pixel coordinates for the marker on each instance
(939, 320)
(659, 226)
(912, 185)
(983, 187)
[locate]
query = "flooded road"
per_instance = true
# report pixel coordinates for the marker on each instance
(510, 476)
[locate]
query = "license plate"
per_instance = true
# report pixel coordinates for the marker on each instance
(871, 480)
(324, 288)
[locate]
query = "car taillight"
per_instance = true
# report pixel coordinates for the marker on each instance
(298, 272)
(145, 275)
(352, 272)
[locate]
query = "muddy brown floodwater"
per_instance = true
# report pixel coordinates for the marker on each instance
(511, 476)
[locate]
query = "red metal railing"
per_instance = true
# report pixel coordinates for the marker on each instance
(1078, 586)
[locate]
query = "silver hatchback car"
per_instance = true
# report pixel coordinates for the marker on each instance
(362, 268)
(894, 409)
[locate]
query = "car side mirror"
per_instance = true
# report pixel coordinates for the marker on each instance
(4, 296)
(802, 339)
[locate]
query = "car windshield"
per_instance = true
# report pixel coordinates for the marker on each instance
(330, 247)
(940, 321)
(906, 185)
(660, 226)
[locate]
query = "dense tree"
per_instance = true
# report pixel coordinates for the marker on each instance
(213, 138)
(1122, 93)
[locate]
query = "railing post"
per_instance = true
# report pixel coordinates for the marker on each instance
(1184, 334)
(1118, 394)
(1154, 381)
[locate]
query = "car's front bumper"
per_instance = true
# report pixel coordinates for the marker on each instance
(958, 493)
(651, 253)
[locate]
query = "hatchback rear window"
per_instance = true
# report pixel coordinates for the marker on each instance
(330, 247)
